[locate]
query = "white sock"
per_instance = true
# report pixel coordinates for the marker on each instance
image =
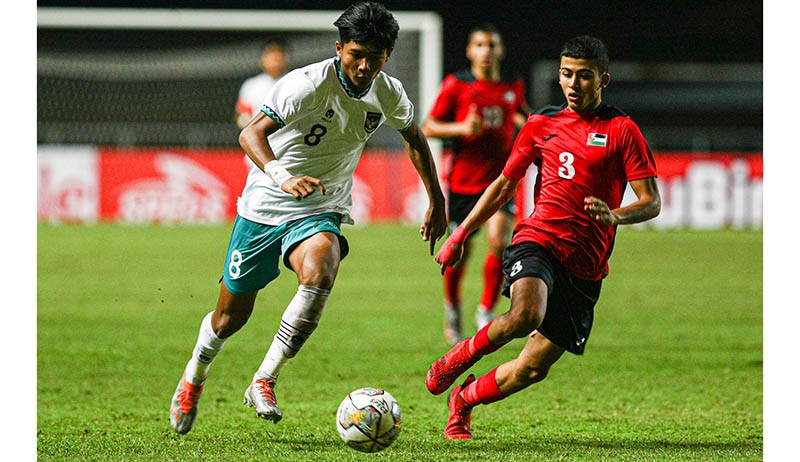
(452, 312)
(299, 320)
(205, 350)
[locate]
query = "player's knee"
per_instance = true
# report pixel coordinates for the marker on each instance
(320, 275)
(318, 265)
(496, 245)
(522, 322)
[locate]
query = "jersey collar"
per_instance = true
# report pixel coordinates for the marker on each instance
(351, 92)
(596, 112)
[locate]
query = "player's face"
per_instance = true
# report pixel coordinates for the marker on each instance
(485, 49)
(582, 83)
(274, 61)
(361, 63)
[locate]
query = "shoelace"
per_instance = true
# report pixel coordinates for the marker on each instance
(264, 387)
(188, 397)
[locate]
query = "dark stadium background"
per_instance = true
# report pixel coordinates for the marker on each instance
(707, 31)
(720, 111)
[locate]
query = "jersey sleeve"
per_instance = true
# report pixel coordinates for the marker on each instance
(523, 153)
(289, 97)
(638, 158)
(445, 105)
(243, 103)
(402, 115)
(243, 107)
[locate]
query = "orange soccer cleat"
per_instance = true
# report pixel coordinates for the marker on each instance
(261, 395)
(183, 409)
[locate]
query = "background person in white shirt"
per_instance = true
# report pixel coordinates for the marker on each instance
(274, 62)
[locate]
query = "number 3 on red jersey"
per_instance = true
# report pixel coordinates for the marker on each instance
(566, 170)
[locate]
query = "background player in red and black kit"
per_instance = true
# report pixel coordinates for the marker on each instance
(479, 111)
(587, 152)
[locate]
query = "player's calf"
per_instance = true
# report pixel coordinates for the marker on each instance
(444, 371)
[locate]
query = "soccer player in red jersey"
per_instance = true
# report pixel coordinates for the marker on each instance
(479, 110)
(586, 152)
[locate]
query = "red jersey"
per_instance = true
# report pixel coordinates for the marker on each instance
(479, 159)
(578, 155)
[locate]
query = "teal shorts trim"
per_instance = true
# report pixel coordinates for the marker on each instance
(254, 249)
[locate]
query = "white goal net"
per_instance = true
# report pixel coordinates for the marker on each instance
(166, 77)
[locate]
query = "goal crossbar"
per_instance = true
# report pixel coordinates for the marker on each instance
(427, 24)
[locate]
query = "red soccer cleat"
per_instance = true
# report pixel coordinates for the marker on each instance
(458, 425)
(445, 370)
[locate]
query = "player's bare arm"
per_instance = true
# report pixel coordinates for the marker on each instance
(470, 126)
(498, 193)
(647, 205)
(253, 140)
(435, 224)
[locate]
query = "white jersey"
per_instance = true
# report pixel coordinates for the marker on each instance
(253, 92)
(324, 127)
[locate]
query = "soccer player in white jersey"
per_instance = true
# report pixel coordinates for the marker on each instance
(305, 145)
(274, 61)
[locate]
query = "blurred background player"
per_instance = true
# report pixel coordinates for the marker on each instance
(274, 62)
(478, 109)
(587, 152)
(305, 144)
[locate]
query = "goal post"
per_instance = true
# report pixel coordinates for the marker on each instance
(417, 61)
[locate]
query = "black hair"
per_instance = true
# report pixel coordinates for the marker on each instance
(275, 42)
(485, 27)
(587, 47)
(368, 22)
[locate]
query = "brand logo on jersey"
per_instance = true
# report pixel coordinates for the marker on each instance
(372, 121)
(516, 268)
(328, 115)
(596, 139)
(552, 135)
(510, 97)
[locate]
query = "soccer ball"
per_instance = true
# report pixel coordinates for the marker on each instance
(369, 419)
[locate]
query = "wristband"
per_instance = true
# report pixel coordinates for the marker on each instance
(277, 172)
(459, 235)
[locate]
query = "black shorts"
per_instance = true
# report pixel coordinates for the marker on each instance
(570, 301)
(459, 206)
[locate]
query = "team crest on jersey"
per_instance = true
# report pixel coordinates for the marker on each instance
(372, 121)
(596, 139)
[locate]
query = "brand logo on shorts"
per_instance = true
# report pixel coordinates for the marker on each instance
(516, 268)
(372, 121)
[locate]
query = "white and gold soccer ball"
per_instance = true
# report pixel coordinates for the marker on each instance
(369, 419)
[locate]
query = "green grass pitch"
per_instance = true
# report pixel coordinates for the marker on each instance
(672, 372)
